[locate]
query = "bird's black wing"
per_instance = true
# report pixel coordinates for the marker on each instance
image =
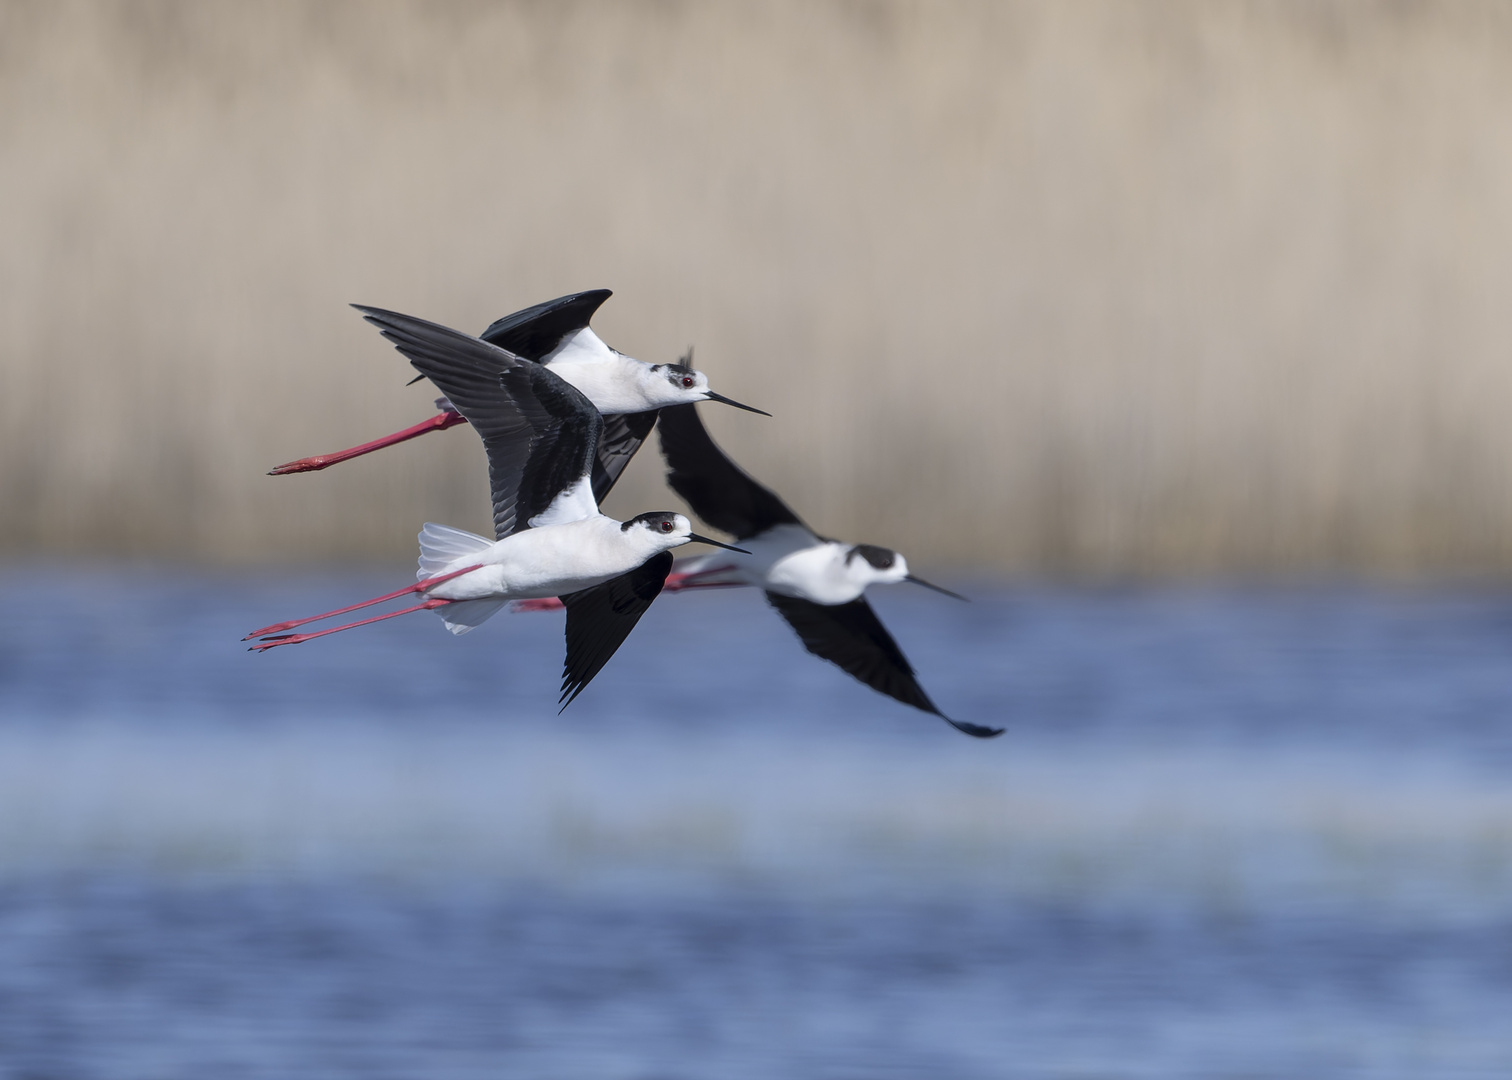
(540, 433)
(853, 638)
(534, 332)
(622, 437)
(717, 489)
(599, 619)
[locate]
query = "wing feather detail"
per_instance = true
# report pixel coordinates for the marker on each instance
(717, 489)
(622, 437)
(539, 431)
(851, 637)
(599, 619)
(534, 332)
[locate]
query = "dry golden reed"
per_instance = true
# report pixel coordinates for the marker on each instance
(1061, 287)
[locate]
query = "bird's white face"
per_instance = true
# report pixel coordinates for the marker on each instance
(660, 530)
(867, 564)
(673, 384)
(895, 573)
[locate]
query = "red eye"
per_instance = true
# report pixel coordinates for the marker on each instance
(687, 382)
(666, 526)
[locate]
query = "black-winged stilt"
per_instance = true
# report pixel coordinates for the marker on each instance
(541, 435)
(556, 333)
(814, 583)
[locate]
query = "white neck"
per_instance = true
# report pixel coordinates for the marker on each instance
(614, 382)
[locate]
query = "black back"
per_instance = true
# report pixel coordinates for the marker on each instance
(713, 485)
(599, 619)
(534, 332)
(853, 638)
(539, 431)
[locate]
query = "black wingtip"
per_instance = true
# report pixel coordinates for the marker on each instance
(976, 731)
(374, 315)
(379, 316)
(569, 693)
(532, 333)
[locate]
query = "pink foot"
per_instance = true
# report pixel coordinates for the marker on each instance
(417, 587)
(298, 639)
(545, 603)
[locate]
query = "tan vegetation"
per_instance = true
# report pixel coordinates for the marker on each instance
(1061, 287)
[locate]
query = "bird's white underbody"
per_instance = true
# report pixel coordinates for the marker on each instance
(791, 560)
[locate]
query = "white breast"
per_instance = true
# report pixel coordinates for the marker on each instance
(786, 559)
(817, 573)
(548, 561)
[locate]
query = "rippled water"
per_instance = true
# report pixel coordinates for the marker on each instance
(1230, 833)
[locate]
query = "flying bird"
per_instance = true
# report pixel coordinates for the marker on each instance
(815, 584)
(627, 391)
(541, 435)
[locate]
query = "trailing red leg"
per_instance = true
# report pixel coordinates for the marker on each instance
(440, 422)
(417, 587)
(543, 603)
(296, 639)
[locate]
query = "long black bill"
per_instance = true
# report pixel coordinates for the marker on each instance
(694, 537)
(727, 401)
(936, 588)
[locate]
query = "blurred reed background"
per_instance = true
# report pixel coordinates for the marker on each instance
(1085, 288)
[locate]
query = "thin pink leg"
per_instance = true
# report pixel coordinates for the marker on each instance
(695, 580)
(544, 603)
(419, 586)
(440, 422)
(296, 639)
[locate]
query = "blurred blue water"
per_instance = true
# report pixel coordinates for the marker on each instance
(1231, 832)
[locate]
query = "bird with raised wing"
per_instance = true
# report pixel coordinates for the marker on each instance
(541, 435)
(815, 584)
(627, 391)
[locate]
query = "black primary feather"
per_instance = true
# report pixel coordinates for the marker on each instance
(533, 333)
(599, 619)
(717, 489)
(622, 437)
(539, 431)
(536, 331)
(561, 452)
(854, 639)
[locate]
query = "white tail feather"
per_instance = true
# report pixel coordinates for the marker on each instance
(441, 546)
(462, 615)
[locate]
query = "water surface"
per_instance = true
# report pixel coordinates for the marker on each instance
(1230, 833)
